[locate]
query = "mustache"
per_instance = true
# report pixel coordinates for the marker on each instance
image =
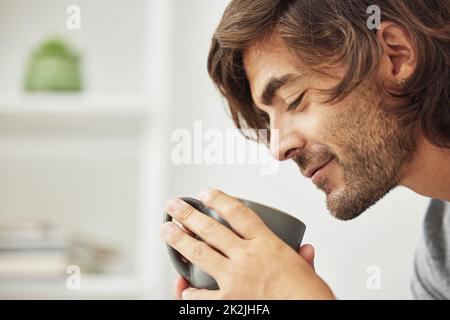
(307, 158)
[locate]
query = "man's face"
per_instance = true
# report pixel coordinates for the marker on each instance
(353, 150)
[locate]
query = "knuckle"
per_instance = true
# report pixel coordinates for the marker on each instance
(198, 250)
(213, 194)
(185, 213)
(277, 245)
(243, 252)
(236, 211)
(209, 227)
(176, 237)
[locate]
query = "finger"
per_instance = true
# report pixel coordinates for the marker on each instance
(207, 228)
(196, 251)
(180, 285)
(185, 229)
(200, 294)
(242, 219)
(307, 252)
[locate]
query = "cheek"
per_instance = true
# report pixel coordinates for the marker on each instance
(321, 125)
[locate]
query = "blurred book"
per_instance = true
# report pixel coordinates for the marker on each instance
(37, 249)
(31, 235)
(26, 264)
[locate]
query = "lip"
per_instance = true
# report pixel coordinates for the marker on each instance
(319, 172)
(313, 170)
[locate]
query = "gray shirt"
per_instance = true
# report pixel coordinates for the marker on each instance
(431, 278)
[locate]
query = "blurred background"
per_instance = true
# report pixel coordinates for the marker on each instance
(87, 110)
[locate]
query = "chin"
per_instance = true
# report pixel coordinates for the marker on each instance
(346, 205)
(347, 201)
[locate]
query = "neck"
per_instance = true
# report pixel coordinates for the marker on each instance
(429, 171)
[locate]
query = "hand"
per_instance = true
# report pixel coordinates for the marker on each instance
(306, 251)
(249, 263)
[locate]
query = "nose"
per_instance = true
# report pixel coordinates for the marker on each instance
(286, 142)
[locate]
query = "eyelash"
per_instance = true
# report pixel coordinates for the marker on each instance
(294, 105)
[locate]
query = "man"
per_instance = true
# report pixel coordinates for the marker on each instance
(360, 111)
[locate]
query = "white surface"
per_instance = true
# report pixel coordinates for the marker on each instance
(110, 42)
(88, 162)
(91, 287)
(72, 105)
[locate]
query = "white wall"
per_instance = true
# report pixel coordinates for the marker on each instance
(384, 236)
(110, 41)
(67, 159)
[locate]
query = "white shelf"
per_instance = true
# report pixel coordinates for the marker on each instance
(92, 287)
(82, 159)
(73, 105)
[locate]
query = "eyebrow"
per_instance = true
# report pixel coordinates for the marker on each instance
(274, 84)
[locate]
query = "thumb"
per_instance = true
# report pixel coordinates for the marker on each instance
(180, 285)
(307, 253)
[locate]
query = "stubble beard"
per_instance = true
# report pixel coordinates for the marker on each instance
(375, 146)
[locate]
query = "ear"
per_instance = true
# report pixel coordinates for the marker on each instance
(398, 60)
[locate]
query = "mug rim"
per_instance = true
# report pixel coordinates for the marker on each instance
(272, 208)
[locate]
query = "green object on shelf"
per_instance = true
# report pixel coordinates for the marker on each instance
(53, 67)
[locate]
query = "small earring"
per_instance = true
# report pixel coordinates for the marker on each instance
(402, 81)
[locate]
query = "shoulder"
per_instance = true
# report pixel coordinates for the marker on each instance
(432, 258)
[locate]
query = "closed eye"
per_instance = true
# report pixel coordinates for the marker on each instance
(296, 102)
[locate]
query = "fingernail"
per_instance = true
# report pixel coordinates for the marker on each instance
(167, 230)
(174, 205)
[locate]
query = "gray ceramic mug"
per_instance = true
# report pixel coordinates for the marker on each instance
(285, 226)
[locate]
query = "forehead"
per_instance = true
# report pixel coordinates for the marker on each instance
(267, 59)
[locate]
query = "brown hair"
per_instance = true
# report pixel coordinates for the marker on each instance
(335, 32)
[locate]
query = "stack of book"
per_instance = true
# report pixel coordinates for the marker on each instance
(37, 249)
